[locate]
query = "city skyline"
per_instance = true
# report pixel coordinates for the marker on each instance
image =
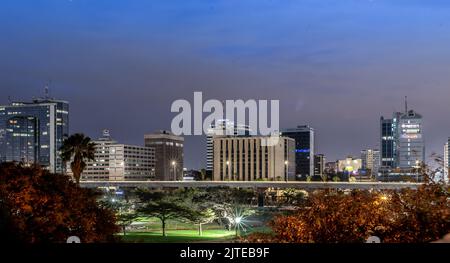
(335, 66)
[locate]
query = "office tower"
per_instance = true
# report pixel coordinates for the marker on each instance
(349, 165)
(221, 128)
(402, 143)
(247, 159)
(447, 161)
(119, 162)
(388, 131)
(411, 146)
(33, 132)
(304, 150)
(319, 165)
(370, 161)
(169, 156)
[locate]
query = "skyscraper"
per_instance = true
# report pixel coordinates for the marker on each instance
(411, 145)
(33, 132)
(169, 156)
(388, 131)
(402, 143)
(304, 150)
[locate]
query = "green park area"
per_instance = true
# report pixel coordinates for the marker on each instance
(148, 230)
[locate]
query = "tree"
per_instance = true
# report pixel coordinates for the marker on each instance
(39, 206)
(200, 216)
(227, 203)
(409, 215)
(294, 196)
(125, 214)
(165, 210)
(166, 206)
(77, 149)
(203, 174)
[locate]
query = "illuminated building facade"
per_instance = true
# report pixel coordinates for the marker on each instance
(119, 162)
(33, 132)
(402, 144)
(411, 145)
(169, 155)
(304, 150)
(349, 165)
(221, 128)
(250, 159)
(370, 161)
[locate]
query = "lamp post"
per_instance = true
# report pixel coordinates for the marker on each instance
(228, 170)
(286, 164)
(237, 222)
(417, 170)
(174, 164)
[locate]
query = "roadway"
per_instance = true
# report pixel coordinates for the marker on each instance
(252, 184)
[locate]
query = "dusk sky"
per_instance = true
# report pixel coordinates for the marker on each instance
(335, 65)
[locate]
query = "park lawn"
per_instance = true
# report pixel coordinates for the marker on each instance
(179, 236)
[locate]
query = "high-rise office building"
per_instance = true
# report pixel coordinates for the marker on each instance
(319, 165)
(33, 132)
(370, 161)
(119, 162)
(221, 128)
(402, 144)
(447, 161)
(169, 156)
(389, 140)
(304, 150)
(251, 159)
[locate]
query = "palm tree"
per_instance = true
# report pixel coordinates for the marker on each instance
(77, 149)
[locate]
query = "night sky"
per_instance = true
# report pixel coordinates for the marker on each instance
(335, 65)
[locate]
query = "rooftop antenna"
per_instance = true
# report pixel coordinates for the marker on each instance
(406, 104)
(46, 91)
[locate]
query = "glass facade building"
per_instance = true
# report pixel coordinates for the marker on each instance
(402, 145)
(33, 132)
(304, 150)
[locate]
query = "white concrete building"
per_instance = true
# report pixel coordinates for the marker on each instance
(120, 162)
(371, 160)
(247, 159)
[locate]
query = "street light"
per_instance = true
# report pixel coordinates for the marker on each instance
(417, 170)
(228, 169)
(286, 163)
(174, 172)
(237, 222)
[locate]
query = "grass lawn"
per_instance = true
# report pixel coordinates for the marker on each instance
(148, 230)
(179, 236)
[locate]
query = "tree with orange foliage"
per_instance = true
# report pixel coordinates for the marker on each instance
(405, 216)
(40, 206)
